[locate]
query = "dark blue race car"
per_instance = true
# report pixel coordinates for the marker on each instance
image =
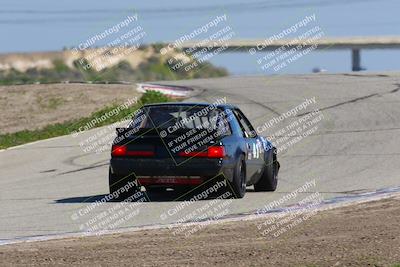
(185, 145)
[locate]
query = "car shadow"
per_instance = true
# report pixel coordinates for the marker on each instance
(166, 196)
(82, 199)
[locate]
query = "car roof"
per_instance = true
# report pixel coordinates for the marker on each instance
(223, 106)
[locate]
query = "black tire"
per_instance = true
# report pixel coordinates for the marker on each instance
(269, 178)
(116, 184)
(239, 179)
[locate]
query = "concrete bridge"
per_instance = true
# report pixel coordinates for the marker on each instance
(355, 44)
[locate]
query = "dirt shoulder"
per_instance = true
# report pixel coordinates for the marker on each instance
(34, 106)
(362, 235)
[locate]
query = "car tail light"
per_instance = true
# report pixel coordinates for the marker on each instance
(211, 152)
(119, 151)
(216, 152)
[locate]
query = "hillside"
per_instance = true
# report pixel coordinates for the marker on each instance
(129, 64)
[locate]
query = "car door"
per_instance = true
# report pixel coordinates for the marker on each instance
(254, 153)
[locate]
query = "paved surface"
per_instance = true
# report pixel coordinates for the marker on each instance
(355, 148)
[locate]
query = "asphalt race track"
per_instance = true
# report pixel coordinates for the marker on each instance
(353, 148)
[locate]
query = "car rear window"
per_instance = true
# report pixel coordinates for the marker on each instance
(181, 117)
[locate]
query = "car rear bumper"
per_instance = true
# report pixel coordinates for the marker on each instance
(183, 171)
(170, 180)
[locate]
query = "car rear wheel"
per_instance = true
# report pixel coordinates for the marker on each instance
(239, 179)
(121, 187)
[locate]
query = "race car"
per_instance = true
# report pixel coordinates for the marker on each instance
(175, 145)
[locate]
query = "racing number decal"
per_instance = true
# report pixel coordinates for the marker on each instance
(255, 151)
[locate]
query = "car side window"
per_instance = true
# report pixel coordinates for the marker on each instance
(245, 125)
(223, 125)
